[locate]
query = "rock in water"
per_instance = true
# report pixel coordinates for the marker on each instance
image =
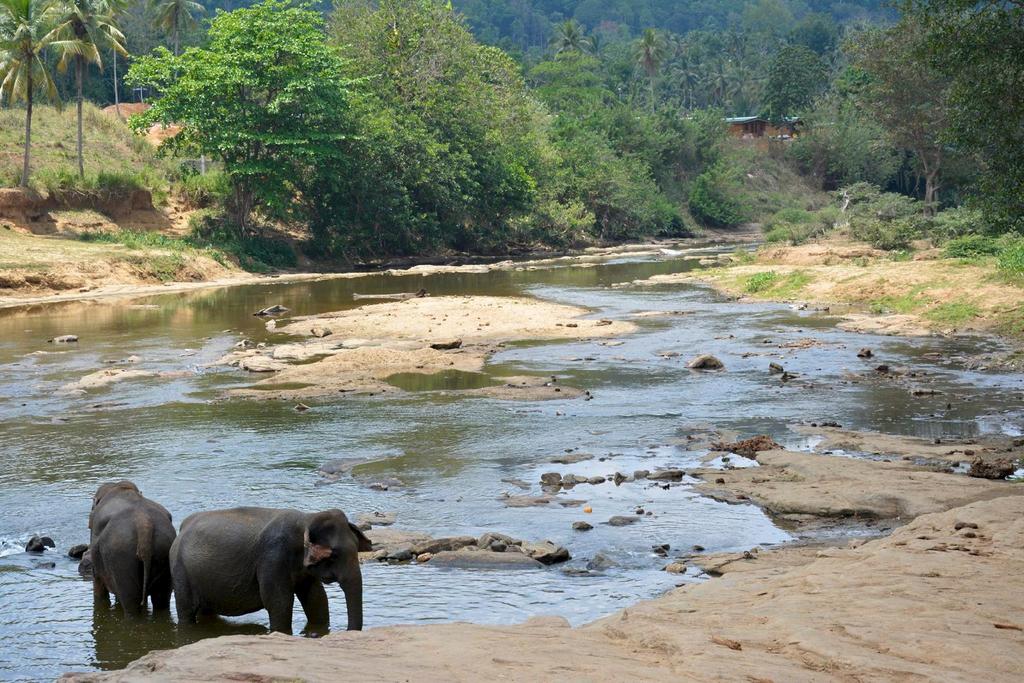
(621, 520)
(551, 479)
(748, 447)
(775, 368)
(706, 362)
(64, 339)
(666, 475)
(546, 552)
(996, 469)
(439, 545)
(865, 353)
(38, 544)
(76, 552)
(465, 559)
(582, 526)
(276, 309)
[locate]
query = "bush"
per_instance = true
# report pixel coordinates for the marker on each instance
(715, 198)
(971, 246)
(1011, 258)
(255, 253)
(760, 282)
(957, 222)
(203, 191)
(889, 235)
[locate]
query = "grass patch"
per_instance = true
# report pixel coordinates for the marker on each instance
(136, 239)
(953, 312)
(761, 282)
(903, 303)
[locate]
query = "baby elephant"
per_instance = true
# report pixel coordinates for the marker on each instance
(129, 541)
(238, 561)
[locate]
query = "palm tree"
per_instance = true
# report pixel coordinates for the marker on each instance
(650, 52)
(24, 34)
(174, 16)
(83, 28)
(569, 37)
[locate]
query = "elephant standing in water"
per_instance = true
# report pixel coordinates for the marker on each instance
(129, 541)
(238, 561)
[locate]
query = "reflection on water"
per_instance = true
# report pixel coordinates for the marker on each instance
(455, 457)
(446, 380)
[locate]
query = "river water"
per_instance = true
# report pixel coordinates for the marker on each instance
(190, 451)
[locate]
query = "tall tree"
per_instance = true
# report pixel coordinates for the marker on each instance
(175, 16)
(979, 47)
(650, 51)
(25, 31)
(569, 37)
(796, 76)
(266, 97)
(908, 97)
(83, 28)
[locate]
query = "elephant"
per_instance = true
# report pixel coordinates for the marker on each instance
(241, 560)
(129, 544)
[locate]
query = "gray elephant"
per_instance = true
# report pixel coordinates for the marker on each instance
(129, 543)
(238, 561)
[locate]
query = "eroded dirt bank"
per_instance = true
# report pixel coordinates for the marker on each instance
(940, 599)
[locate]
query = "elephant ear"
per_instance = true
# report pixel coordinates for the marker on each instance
(365, 545)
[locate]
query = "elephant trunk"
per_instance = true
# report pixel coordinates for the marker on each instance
(352, 584)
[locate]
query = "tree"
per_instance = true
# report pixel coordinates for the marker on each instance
(650, 51)
(796, 76)
(174, 16)
(266, 97)
(83, 28)
(569, 37)
(25, 31)
(979, 48)
(907, 97)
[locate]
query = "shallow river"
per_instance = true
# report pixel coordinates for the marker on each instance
(190, 451)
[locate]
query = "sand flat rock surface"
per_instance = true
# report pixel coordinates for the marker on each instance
(472, 319)
(910, 447)
(929, 602)
(793, 483)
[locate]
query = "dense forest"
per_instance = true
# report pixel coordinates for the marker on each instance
(412, 127)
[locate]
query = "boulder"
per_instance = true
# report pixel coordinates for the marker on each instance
(491, 537)
(775, 368)
(582, 526)
(546, 552)
(439, 545)
(318, 331)
(621, 520)
(551, 479)
(467, 559)
(675, 567)
(705, 362)
(641, 474)
(666, 475)
(601, 561)
(594, 481)
(994, 469)
(446, 345)
(865, 353)
(38, 544)
(376, 519)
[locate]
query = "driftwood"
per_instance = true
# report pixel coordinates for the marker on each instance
(402, 296)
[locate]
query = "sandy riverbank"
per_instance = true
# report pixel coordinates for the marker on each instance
(871, 290)
(940, 599)
(358, 350)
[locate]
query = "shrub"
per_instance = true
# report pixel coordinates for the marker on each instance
(971, 246)
(1011, 258)
(889, 235)
(760, 282)
(956, 222)
(716, 198)
(203, 191)
(255, 253)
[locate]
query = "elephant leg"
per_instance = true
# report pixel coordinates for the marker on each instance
(278, 598)
(100, 594)
(160, 592)
(313, 599)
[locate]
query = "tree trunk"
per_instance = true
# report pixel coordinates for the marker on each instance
(79, 68)
(28, 133)
(177, 43)
(241, 208)
(117, 99)
(931, 191)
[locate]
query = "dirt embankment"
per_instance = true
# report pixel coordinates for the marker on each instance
(940, 599)
(872, 291)
(360, 349)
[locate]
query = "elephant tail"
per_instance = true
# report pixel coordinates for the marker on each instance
(144, 551)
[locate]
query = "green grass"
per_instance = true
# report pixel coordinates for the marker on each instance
(761, 282)
(903, 303)
(953, 312)
(136, 239)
